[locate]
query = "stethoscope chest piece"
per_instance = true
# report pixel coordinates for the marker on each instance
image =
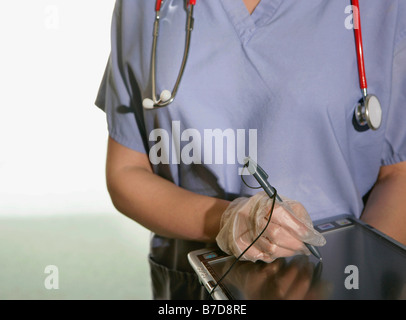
(368, 113)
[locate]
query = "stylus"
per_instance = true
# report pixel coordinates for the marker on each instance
(314, 251)
(261, 176)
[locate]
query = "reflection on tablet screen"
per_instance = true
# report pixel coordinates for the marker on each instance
(358, 263)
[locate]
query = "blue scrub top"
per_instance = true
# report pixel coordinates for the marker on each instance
(288, 72)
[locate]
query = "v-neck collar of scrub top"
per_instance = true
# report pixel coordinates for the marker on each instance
(245, 23)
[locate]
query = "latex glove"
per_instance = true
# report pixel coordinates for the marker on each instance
(290, 226)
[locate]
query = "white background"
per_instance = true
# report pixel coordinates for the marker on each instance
(54, 205)
(52, 137)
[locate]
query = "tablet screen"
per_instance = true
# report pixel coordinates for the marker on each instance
(358, 263)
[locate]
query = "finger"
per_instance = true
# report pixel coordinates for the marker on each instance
(273, 251)
(262, 249)
(285, 218)
(284, 239)
(296, 228)
(299, 211)
(254, 253)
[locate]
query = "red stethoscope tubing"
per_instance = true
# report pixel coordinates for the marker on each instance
(358, 41)
(159, 3)
(357, 33)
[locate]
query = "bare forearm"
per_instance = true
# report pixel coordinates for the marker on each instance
(386, 206)
(158, 204)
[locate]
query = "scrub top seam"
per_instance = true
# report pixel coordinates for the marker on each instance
(266, 12)
(399, 42)
(240, 20)
(245, 24)
(125, 141)
(394, 159)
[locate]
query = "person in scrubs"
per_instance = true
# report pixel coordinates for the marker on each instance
(276, 80)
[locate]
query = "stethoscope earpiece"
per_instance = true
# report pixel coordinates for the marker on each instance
(164, 97)
(148, 103)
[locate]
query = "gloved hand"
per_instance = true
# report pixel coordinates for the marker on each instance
(245, 218)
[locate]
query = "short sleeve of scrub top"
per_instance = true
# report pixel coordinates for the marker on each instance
(119, 95)
(395, 136)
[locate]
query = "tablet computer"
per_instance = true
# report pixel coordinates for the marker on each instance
(358, 262)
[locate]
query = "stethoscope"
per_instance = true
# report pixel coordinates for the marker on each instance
(166, 97)
(367, 113)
